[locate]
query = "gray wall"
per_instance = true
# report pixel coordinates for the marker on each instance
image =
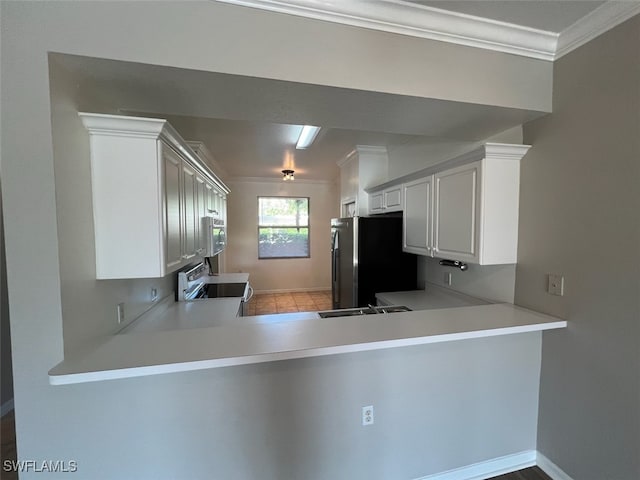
(215, 421)
(437, 407)
(88, 305)
(490, 282)
(6, 376)
(579, 217)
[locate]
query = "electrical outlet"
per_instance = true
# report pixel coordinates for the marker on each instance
(367, 415)
(154, 294)
(447, 278)
(120, 312)
(555, 285)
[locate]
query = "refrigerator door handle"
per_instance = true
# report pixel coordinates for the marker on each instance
(335, 264)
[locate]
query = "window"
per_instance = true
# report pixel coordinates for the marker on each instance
(283, 227)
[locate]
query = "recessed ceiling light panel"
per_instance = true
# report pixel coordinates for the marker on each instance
(307, 136)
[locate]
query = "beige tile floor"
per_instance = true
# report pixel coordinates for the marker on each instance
(286, 302)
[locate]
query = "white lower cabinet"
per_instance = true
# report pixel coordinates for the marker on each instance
(417, 234)
(149, 196)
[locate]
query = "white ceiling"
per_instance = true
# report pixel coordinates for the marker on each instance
(548, 15)
(250, 125)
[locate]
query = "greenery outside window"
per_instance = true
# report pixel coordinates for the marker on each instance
(283, 227)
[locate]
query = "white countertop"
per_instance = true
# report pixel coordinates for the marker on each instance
(226, 278)
(432, 297)
(265, 338)
(183, 315)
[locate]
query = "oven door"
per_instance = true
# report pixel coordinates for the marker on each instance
(244, 305)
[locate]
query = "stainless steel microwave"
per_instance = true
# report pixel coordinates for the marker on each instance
(215, 237)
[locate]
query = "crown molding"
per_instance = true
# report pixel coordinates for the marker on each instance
(397, 16)
(505, 151)
(605, 17)
(363, 150)
(201, 150)
(416, 20)
(489, 151)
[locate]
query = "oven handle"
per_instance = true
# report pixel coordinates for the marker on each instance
(250, 296)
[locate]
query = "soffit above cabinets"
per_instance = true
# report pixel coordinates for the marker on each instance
(250, 125)
(540, 29)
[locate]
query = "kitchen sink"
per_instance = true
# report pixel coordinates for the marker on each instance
(350, 312)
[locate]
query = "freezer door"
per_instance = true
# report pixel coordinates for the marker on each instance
(335, 252)
(342, 263)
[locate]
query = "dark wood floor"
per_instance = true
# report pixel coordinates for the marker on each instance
(8, 437)
(533, 473)
(8, 440)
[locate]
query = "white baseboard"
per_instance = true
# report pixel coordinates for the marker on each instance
(489, 468)
(550, 468)
(287, 290)
(6, 407)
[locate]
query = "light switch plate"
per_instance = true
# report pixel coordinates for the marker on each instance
(555, 285)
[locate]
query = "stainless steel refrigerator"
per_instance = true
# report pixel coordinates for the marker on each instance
(367, 258)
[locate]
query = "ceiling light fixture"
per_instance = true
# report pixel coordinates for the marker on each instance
(288, 175)
(307, 136)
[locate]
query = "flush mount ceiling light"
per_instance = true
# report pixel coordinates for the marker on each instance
(287, 175)
(307, 136)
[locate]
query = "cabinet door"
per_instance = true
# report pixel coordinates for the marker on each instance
(376, 202)
(393, 199)
(202, 212)
(223, 208)
(216, 203)
(191, 230)
(456, 213)
(417, 218)
(173, 207)
(209, 199)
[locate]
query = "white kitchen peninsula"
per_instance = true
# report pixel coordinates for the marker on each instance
(239, 341)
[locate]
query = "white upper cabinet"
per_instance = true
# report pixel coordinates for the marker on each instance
(393, 199)
(190, 212)
(417, 219)
(362, 168)
(149, 192)
(376, 202)
(172, 214)
(464, 209)
(216, 194)
(386, 201)
(456, 212)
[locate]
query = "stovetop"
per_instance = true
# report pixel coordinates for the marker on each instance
(191, 286)
(218, 290)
